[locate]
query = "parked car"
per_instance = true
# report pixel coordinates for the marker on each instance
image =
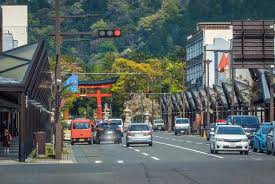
(259, 140)
(158, 124)
(249, 123)
(107, 132)
(270, 141)
(182, 125)
(139, 133)
(81, 131)
(212, 128)
(229, 138)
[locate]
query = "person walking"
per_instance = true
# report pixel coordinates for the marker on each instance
(6, 141)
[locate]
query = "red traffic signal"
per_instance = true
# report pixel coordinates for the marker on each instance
(109, 33)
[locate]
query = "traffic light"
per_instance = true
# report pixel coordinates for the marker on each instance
(109, 33)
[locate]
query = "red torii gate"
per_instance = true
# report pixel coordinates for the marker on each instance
(98, 86)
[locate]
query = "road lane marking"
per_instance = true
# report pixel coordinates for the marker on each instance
(198, 143)
(184, 148)
(130, 147)
(98, 161)
(137, 150)
(155, 158)
(167, 138)
(146, 154)
(174, 139)
(124, 145)
(208, 144)
(189, 141)
(258, 159)
(120, 161)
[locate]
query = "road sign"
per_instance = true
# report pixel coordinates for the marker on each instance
(72, 83)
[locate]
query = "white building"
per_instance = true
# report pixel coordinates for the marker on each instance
(15, 25)
(211, 41)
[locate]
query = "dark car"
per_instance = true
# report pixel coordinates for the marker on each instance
(249, 123)
(107, 132)
(270, 141)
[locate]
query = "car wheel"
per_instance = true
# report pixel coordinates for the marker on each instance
(90, 142)
(207, 138)
(211, 150)
(267, 151)
(241, 152)
(254, 149)
(72, 143)
(260, 149)
(127, 144)
(150, 144)
(176, 133)
(273, 150)
(246, 152)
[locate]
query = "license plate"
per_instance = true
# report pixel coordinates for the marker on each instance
(109, 132)
(232, 145)
(139, 135)
(182, 131)
(81, 140)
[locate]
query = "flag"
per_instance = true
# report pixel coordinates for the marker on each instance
(223, 63)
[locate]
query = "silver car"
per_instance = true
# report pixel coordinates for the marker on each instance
(139, 133)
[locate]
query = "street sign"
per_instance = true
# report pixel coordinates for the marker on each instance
(72, 83)
(253, 44)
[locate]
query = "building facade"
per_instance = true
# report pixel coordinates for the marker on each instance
(212, 42)
(14, 26)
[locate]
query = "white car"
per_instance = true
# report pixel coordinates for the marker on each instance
(118, 121)
(229, 138)
(182, 125)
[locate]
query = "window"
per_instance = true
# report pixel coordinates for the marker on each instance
(81, 125)
(139, 128)
(230, 130)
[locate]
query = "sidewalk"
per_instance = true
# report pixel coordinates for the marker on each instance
(67, 158)
(12, 157)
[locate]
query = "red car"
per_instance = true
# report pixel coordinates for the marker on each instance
(81, 131)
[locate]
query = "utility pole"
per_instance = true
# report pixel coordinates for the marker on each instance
(232, 91)
(271, 91)
(208, 98)
(58, 82)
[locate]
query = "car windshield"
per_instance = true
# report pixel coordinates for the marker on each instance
(265, 130)
(139, 128)
(182, 121)
(230, 130)
(117, 121)
(246, 122)
(81, 125)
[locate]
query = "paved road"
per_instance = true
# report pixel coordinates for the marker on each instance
(171, 159)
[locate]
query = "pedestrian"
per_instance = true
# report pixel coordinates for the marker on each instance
(6, 141)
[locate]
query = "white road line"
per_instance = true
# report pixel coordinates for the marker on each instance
(258, 159)
(155, 158)
(160, 137)
(208, 144)
(130, 147)
(198, 143)
(124, 145)
(98, 161)
(120, 161)
(189, 141)
(174, 139)
(167, 138)
(137, 150)
(146, 154)
(184, 148)
(156, 136)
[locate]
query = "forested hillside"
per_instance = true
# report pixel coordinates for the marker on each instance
(151, 28)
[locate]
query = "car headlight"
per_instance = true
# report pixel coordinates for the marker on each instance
(219, 139)
(245, 140)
